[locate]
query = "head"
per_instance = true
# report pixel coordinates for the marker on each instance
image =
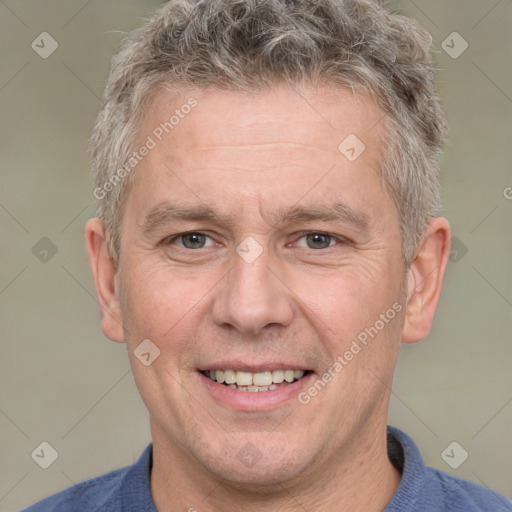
(286, 218)
(254, 46)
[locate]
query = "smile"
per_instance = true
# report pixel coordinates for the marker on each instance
(255, 382)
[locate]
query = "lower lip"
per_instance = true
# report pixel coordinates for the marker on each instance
(255, 400)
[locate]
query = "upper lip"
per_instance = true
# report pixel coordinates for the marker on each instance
(253, 368)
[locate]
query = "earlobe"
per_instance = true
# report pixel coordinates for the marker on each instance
(425, 278)
(104, 272)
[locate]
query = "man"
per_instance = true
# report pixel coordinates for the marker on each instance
(267, 237)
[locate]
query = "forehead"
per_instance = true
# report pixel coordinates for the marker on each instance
(321, 116)
(278, 145)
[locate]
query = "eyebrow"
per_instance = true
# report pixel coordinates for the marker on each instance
(165, 213)
(337, 212)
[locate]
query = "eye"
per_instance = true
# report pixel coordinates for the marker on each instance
(316, 241)
(192, 240)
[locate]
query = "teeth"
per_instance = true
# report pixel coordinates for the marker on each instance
(229, 377)
(277, 376)
(244, 378)
(289, 375)
(260, 381)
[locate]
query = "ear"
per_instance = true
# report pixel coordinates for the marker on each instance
(425, 278)
(104, 272)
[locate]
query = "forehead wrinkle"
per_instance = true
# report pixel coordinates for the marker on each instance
(265, 146)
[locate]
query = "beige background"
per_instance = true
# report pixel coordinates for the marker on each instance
(64, 383)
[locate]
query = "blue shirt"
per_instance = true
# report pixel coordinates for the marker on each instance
(422, 489)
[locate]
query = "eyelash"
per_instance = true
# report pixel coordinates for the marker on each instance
(172, 239)
(334, 238)
(298, 236)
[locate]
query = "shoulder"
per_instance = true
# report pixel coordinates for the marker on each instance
(94, 494)
(456, 494)
(109, 492)
(425, 489)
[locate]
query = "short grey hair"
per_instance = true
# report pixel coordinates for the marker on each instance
(254, 45)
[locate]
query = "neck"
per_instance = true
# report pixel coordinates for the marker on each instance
(357, 476)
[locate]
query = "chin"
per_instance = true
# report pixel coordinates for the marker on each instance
(258, 466)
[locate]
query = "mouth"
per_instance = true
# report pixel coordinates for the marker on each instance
(262, 381)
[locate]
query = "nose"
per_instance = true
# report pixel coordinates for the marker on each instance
(252, 297)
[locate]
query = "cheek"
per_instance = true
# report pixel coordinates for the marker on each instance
(156, 303)
(344, 302)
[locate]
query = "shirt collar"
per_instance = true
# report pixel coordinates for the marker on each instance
(405, 456)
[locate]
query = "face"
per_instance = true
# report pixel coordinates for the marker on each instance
(253, 245)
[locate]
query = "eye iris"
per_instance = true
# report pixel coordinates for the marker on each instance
(318, 241)
(193, 240)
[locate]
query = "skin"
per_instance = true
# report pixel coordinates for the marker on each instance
(251, 157)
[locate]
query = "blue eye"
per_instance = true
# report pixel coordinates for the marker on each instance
(316, 241)
(193, 240)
